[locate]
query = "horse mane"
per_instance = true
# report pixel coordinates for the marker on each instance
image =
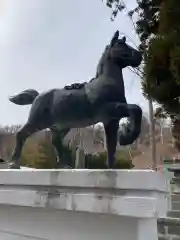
(99, 69)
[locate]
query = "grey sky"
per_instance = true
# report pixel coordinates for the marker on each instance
(50, 43)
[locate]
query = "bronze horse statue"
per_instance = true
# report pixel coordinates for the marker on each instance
(100, 100)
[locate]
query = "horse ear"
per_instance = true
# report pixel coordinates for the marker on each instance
(124, 39)
(114, 38)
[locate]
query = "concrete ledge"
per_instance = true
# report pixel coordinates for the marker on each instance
(115, 179)
(122, 192)
(118, 205)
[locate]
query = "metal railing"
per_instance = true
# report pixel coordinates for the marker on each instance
(169, 228)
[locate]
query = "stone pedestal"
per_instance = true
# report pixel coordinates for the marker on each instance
(81, 204)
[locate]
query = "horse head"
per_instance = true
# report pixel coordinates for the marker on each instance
(120, 53)
(123, 54)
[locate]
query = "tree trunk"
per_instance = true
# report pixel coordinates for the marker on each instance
(152, 134)
(176, 133)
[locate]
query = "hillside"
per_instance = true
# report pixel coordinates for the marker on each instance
(92, 140)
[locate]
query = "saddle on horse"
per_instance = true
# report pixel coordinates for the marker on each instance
(76, 86)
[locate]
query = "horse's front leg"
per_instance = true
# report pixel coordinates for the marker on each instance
(111, 130)
(132, 129)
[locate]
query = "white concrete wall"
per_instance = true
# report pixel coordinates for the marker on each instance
(81, 204)
(22, 223)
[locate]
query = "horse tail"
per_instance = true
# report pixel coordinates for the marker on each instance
(131, 131)
(24, 98)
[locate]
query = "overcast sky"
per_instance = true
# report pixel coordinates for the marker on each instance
(49, 43)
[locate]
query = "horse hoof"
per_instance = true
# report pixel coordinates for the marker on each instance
(14, 166)
(126, 139)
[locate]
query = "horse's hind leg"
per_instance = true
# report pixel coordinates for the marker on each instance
(57, 141)
(21, 137)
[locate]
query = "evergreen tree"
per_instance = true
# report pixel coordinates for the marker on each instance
(46, 158)
(162, 66)
(98, 161)
(158, 27)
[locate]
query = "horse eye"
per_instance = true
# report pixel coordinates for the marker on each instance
(120, 43)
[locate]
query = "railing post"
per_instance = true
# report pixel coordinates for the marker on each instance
(80, 158)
